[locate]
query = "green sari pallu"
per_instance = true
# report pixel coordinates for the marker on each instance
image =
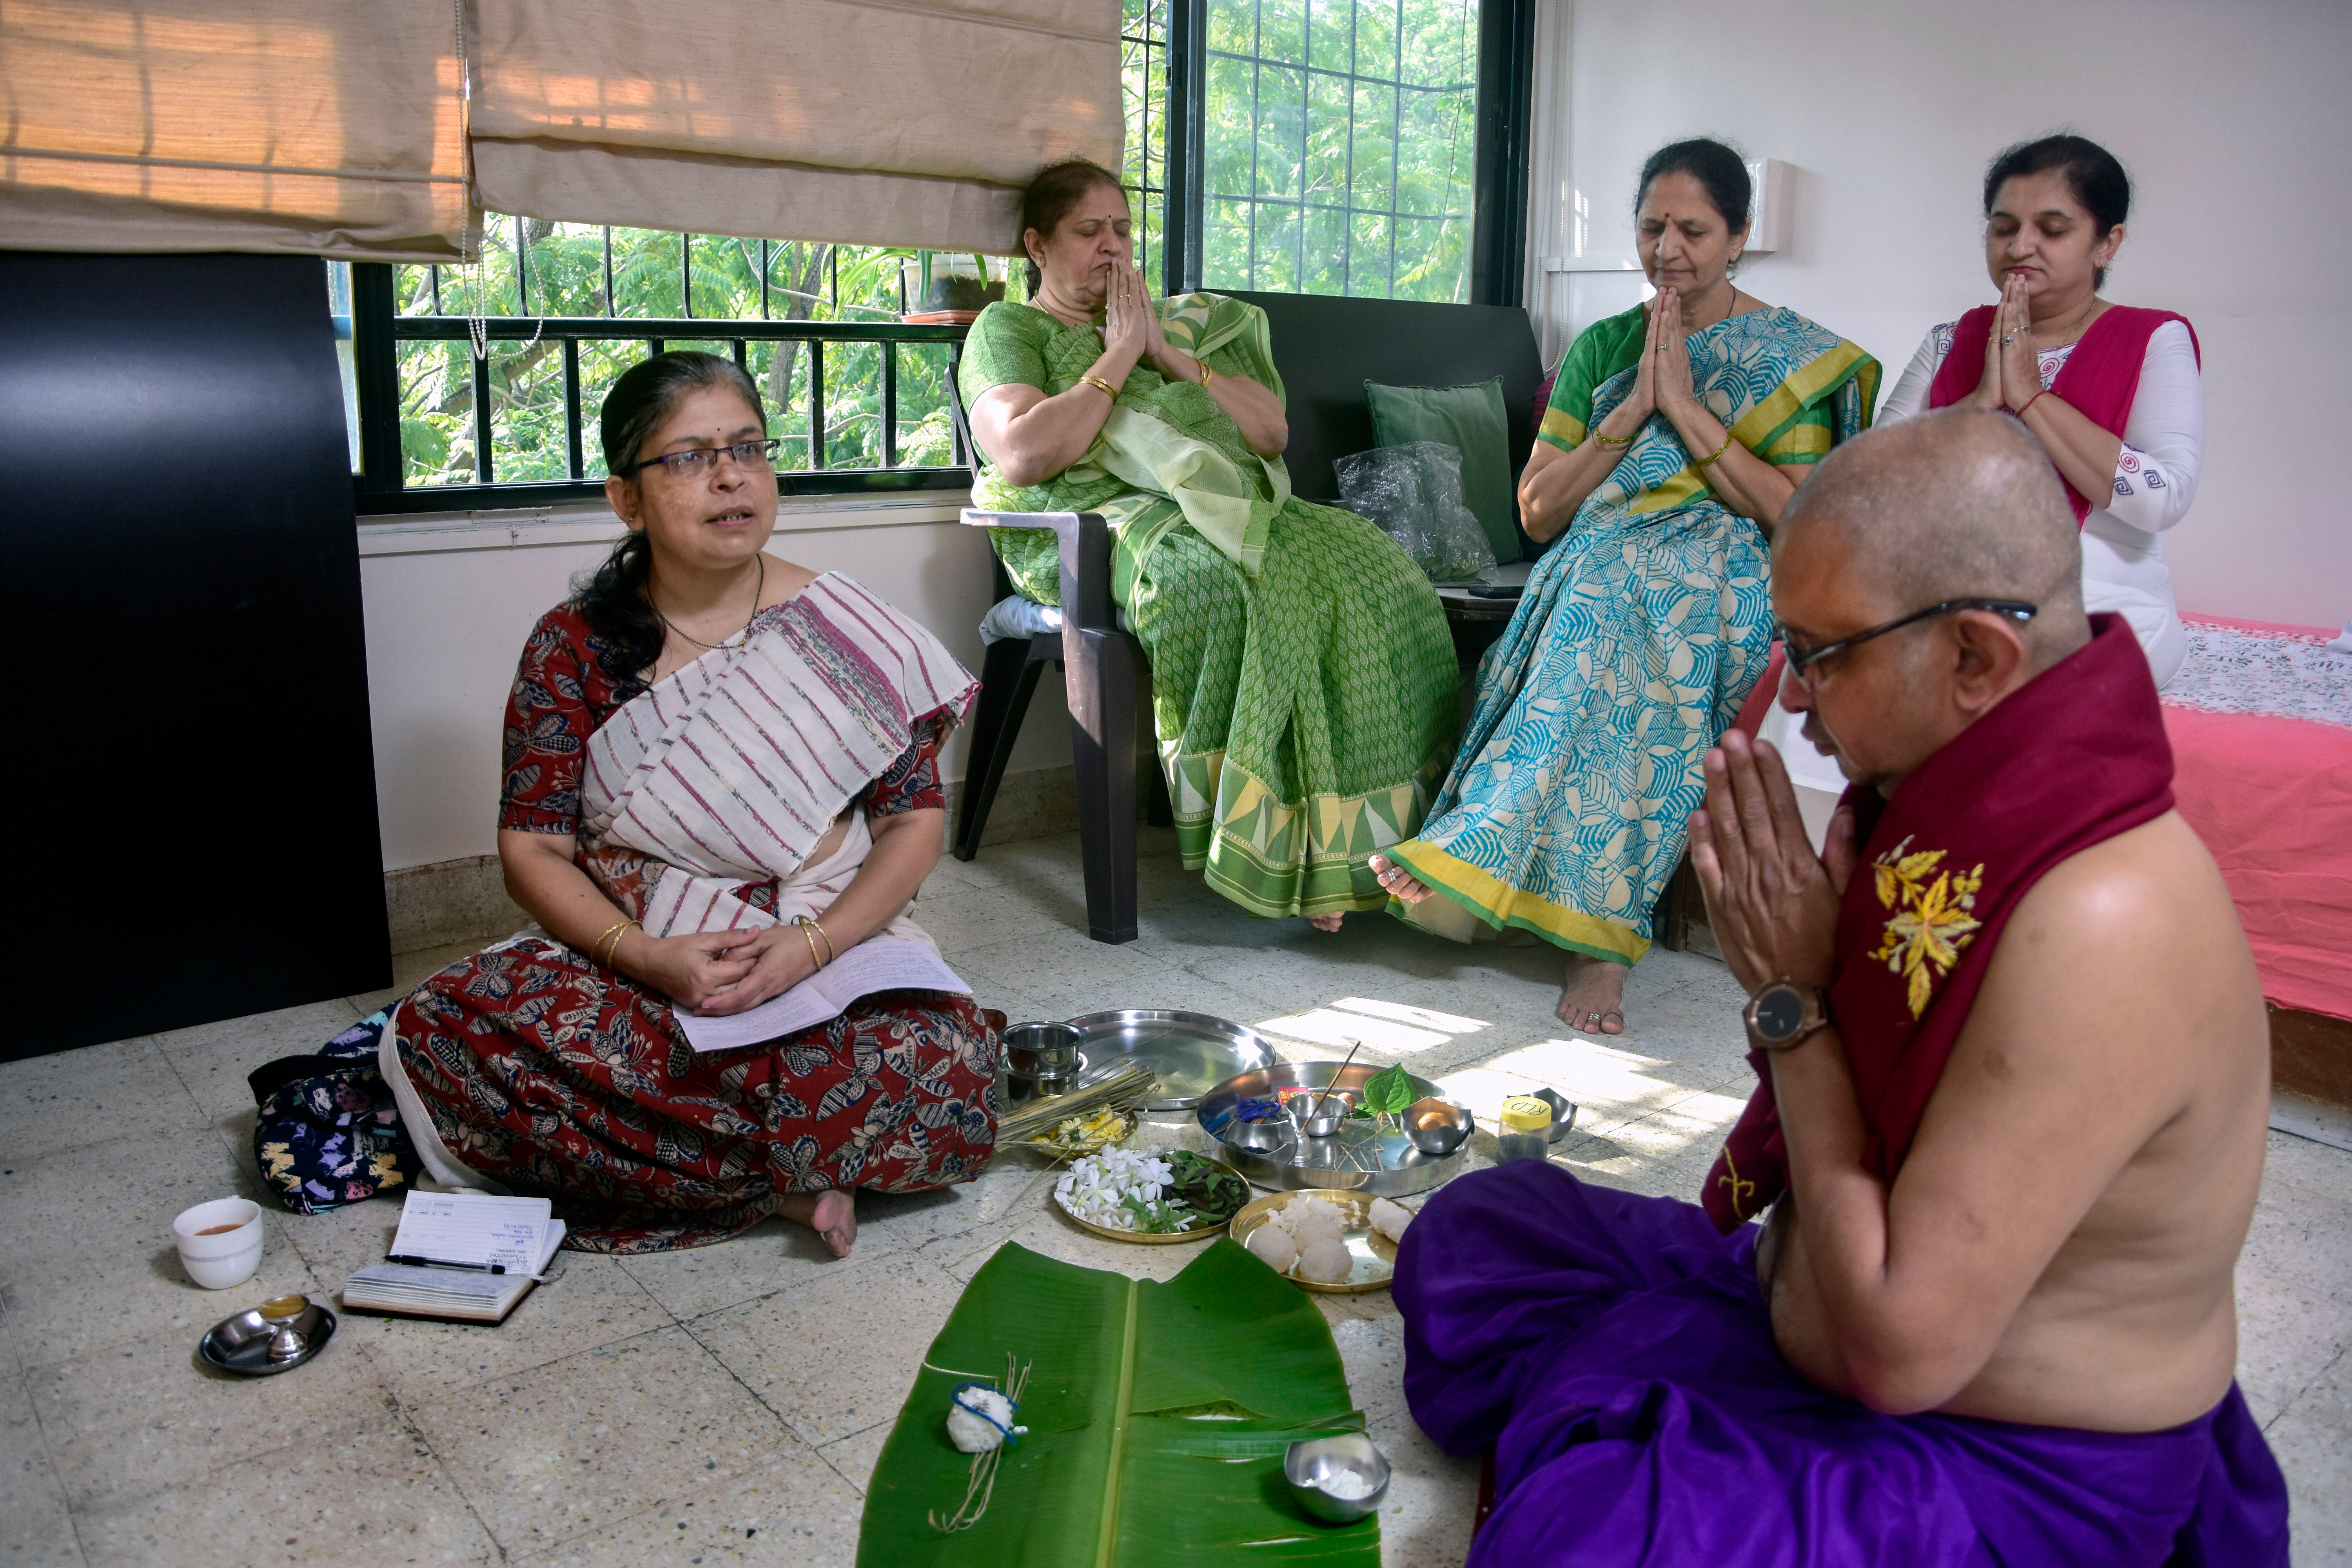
(1640, 634)
(1302, 676)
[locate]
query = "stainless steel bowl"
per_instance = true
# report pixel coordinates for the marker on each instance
(1563, 1111)
(1260, 1137)
(1312, 1463)
(1041, 1051)
(1438, 1126)
(1320, 1115)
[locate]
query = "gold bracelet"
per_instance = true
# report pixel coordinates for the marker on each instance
(810, 922)
(1108, 390)
(598, 945)
(615, 933)
(1719, 452)
(813, 961)
(1205, 377)
(1607, 442)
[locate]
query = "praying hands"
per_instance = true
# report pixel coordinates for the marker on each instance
(1772, 902)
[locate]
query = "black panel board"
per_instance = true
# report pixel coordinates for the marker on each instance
(1327, 347)
(195, 830)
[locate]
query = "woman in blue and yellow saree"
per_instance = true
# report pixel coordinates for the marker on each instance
(1676, 431)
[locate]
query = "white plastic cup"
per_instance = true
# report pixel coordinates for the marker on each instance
(224, 1259)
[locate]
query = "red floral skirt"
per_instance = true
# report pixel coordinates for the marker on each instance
(558, 1078)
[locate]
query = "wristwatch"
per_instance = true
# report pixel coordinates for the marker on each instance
(1780, 1016)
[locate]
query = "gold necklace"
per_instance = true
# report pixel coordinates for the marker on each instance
(742, 640)
(2072, 333)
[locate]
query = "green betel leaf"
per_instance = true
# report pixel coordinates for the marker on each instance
(1390, 1092)
(1158, 1416)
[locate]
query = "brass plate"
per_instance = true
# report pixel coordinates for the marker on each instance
(1375, 1254)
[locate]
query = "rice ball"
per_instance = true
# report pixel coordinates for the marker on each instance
(1389, 1219)
(1312, 1219)
(1273, 1246)
(1325, 1261)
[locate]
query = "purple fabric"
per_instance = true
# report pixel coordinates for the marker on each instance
(1618, 1355)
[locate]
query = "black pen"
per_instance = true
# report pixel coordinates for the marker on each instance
(441, 1263)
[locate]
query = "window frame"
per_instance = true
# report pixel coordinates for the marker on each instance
(380, 487)
(1502, 114)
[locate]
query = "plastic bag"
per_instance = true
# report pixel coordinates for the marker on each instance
(1415, 493)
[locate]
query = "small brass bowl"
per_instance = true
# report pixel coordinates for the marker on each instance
(1438, 1127)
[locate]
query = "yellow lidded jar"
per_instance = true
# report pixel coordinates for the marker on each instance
(1524, 1132)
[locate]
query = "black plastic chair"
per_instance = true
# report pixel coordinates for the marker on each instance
(1109, 683)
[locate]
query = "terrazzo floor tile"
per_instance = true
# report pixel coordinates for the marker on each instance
(772, 1255)
(212, 1059)
(2313, 1441)
(74, 1231)
(590, 1442)
(90, 1096)
(309, 1502)
(833, 1357)
(795, 1512)
(2285, 1338)
(854, 1456)
(143, 1414)
(36, 1522)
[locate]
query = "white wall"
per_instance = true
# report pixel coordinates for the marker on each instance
(2233, 119)
(449, 601)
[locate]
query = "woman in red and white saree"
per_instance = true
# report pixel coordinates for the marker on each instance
(700, 811)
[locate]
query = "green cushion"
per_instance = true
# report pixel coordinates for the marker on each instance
(1469, 419)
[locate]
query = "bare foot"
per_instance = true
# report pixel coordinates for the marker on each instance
(1592, 996)
(832, 1215)
(1327, 922)
(1396, 882)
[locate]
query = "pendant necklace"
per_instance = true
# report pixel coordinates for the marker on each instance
(744, 638)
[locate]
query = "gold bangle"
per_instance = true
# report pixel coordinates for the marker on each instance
(1205, 377)
(1108, 390)
(815, 963)
(1719, 451)
(1605, 441)
(598, 945)
(810, 922)
(615, 933)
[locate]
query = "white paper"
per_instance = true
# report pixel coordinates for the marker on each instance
(884, 963)
(477, 1228)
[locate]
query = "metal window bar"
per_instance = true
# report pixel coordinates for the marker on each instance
(381, 331)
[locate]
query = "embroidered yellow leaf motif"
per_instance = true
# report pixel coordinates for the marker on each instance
(1931, 922)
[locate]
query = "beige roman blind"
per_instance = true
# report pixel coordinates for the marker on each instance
(331, 127)
(862, 121)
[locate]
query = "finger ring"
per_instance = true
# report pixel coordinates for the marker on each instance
(2007, 339)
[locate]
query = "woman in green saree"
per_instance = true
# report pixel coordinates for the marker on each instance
(1302, 675)
(1676, 432)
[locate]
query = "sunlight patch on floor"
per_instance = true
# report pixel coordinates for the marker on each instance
(1426, 1018)
(1330, 1026)
(1592, 1074)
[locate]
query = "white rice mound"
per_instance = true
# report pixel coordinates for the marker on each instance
(1325, 1261)
(1272, 1245)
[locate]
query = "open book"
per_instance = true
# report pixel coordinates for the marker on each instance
(883, 963)
(460, 1255)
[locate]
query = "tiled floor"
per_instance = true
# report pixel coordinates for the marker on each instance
(725, 1406)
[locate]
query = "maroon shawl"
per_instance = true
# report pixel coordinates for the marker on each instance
(2073, 757)
(2099, 379)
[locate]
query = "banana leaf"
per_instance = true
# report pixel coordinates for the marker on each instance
(1158, 1416)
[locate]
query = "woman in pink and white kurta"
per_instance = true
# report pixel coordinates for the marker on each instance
(700, 810)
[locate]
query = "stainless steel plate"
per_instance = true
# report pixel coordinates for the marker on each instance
(241, 1344)
(1358, 1158)
(1191, 1052)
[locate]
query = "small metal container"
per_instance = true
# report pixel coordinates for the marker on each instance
(1312, 1463)
(242, 1343)
(1563, 1112)
(1438, 1126)
(1260, 1137)
(1319, 1115)
(1041, 1051)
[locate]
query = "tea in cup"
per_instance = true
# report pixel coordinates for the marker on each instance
(219, 1242)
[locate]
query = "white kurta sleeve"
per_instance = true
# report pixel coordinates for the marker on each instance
(2164, 439)
(1910, 394)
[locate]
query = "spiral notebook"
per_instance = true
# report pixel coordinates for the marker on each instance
(469, 1255)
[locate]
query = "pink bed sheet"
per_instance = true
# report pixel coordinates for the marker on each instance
(2272, 800)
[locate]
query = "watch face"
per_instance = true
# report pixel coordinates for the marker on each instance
(1780, 1012)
